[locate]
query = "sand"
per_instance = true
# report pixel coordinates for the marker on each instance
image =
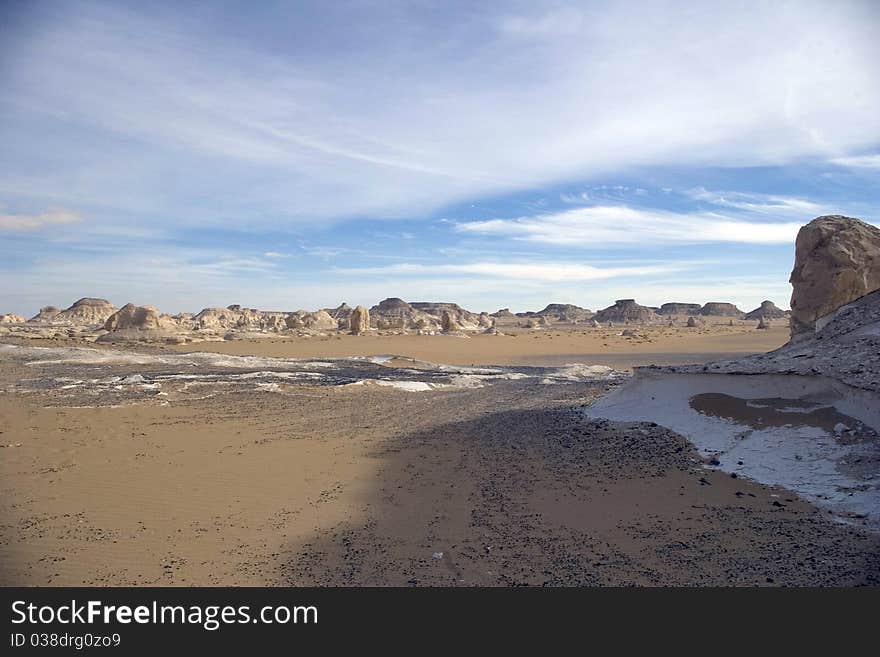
(605, 346)
(232, 481)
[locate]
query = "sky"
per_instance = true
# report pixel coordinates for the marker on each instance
(287, 155)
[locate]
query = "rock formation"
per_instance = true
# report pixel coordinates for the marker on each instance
(85, 312)
(626, 311)
(565, 312)
(449, 322)
(504, 312)
(720, 309)
(464, 318)
(316, 321)
(676, 308)
(837, 260)
(767, 310)
(12, 318)
(359, 321)
(763, 324)
(133, 317)
(692, 322)
(46, 314)
(342, 314)
(393, 313)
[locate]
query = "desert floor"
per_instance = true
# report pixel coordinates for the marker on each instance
(604, 346)
(301, 484)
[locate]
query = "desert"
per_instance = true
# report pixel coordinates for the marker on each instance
(422, 444)
(302, 296)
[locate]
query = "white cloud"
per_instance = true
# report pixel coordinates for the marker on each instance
(859, 161)
(764, 204)
(621, 225)
(514, 97)
(533, 271)
(52, 217)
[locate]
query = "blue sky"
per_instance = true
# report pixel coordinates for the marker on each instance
(289, 155)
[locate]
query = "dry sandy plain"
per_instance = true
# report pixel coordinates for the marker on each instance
(164, 469)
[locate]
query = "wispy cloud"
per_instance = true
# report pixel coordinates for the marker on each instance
(532, 271)
(111, 104)
(764, 204)
(622, 225)
(859, 161)
(52, 217)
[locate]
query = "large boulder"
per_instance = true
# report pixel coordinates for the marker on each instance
(12, 318)
(625, 311)
(837, 260)
(767, 310)
(359, 320)
(720, 309)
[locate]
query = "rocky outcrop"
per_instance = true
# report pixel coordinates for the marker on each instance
(763, 324)
(625, 311)
(135, 317)
(464, 318)
(12, 318)
(720, 309)
(85, 312)
(359, 321)
(676, 308)
(316, 321)
(46, 314)
(767, 310)
(392, 313)
(485, 321)
(503, 313)
(449, 322)
(837, 260)
(565, 312)
(693, 322)
(342, 314)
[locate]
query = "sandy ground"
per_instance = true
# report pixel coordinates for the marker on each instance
(501, 485)
(604, 346)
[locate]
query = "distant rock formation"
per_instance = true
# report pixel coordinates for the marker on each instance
(504, 312)
(676, 308)
(133, 317)
(12, 318)
(767, 310)
(763, 324)
(449, 322)
(46, 314)
(837, 260)
(85, 312)
(342, 314)
(485, 321)
(464, 318)
(720, 309)
(693, 322)
(393, 313)
(565, 312)
(359, 321)
(316, 321)
(625, 310)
